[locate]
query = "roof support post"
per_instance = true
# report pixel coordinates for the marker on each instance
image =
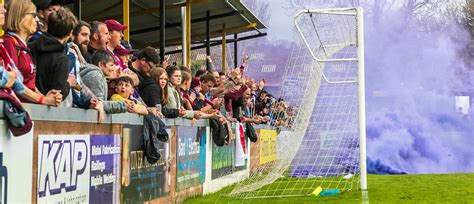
(183, 35)
(126, 19)
(208, 38)
(235, 50)
(188, 32)
(162, 30)
(223, 48)
(77, 9)
(1, 28)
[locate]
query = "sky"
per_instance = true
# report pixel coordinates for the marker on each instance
(280, 24)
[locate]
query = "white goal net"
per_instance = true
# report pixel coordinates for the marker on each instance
(321, 141)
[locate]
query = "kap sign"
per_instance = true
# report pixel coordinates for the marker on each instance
(63, 169)
(78, 168)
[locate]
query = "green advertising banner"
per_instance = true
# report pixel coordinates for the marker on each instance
(223, 159)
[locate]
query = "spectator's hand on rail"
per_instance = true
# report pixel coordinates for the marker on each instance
(130, 105)
(99, 106)
(266, 119)
(230, 119)
(222, 120)
(155, 112)
(197, 115)
(53, 98)
(182, 112)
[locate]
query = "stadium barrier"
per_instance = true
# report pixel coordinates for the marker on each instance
(69, 157)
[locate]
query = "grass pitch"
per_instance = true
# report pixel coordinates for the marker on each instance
(424, 188)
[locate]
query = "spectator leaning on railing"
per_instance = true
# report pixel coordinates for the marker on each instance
(147, 59)
(51, 60)
(21, 22)
(160, 77)
(10, 76)
(124, 90)
(95, 76)
(175, 100)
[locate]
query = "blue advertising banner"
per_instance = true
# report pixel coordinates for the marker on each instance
(105, 169)
(142, 181)
(191, 157)
(78, 168)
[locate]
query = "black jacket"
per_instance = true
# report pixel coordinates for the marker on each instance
(52, 64)
(150, 92)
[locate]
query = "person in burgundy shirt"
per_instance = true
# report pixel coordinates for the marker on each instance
(20, 23)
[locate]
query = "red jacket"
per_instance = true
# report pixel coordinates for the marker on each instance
(18, 51)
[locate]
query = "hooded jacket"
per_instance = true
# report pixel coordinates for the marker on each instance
(174, 102)
(93, 78)
(52, 64)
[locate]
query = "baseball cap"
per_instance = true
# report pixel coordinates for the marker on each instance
(114, 25)
(121, 50)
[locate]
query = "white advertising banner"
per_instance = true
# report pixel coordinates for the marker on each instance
(16, 166)
(63, 168)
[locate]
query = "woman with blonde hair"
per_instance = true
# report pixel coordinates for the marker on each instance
(20, 23)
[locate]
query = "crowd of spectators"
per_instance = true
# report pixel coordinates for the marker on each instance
(49, 57)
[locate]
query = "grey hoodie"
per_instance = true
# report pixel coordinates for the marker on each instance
(93, 78)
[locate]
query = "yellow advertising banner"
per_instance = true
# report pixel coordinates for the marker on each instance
(268, 146)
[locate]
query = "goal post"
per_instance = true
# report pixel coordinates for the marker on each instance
(358, 12)
(322, 140)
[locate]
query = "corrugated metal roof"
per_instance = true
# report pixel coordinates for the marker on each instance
(144, 18)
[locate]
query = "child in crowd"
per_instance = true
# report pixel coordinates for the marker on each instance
(124, 90)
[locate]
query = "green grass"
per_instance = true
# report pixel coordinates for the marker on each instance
(426, 188)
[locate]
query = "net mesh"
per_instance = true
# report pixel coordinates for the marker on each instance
(318, 140)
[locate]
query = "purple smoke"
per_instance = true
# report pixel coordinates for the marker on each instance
(411, 77)
(413, 71)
